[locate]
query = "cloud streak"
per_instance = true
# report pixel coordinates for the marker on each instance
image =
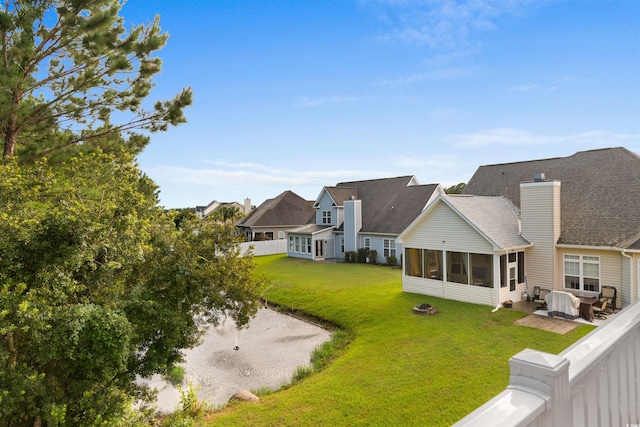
(444, 24)
(521, 137)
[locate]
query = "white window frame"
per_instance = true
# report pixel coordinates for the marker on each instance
(389, 246)
(341, 244)
(309, 245)
(291, 246)
(583, 263)
(367, 243)
(280, 235)
(326, 217)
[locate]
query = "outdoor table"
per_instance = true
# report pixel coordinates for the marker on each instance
(586, 308)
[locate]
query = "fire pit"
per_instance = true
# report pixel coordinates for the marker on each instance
(425, 309)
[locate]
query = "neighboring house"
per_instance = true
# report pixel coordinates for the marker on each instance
(361, 214)
(205, 211)
(272, 219)
(569, 223)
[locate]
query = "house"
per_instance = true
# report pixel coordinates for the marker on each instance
(274, 217)
(205, 211)
(568, 223)
(361, 214)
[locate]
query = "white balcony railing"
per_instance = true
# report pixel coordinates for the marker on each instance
(593, 383)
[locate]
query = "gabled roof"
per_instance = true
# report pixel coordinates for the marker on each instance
(288, 209)
(340, 194)
(495, 217)
(388, 204)
(599, 192)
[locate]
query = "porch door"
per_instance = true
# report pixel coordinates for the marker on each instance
(320, 248)
(512, 275)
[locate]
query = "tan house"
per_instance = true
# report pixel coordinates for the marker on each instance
(568, 223)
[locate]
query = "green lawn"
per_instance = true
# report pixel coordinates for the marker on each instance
(400, 368)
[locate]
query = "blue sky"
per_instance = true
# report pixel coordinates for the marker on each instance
(296, 95)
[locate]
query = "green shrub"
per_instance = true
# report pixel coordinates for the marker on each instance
(373, 256)
(363, 253)
(350, 256)
(176, 375)
(392, 261)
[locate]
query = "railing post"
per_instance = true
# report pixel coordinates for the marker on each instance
(547, 376)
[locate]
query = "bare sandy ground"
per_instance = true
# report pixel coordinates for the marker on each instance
(269, 351)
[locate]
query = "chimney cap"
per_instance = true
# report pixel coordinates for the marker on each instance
(539, 177)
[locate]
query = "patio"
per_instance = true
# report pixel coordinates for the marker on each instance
(542, 321)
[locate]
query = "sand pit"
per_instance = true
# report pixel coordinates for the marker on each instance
(267, 354)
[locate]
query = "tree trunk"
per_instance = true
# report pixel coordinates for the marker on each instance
(11, 130)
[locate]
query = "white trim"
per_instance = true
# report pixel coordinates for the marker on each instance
(595, 248)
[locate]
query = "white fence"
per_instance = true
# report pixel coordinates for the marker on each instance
(264, 247)
(593, 383)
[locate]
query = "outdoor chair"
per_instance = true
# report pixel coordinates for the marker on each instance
(539, 297)
(608, 295)
(598, 312)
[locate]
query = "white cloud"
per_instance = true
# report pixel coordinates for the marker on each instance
(437, 74)
(521, 137)
(316, 102)
(444, 24)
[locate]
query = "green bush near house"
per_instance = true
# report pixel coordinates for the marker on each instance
(350, 256)
(363, 253)
(397, 367)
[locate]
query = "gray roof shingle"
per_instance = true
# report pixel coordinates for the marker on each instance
(496, 217)
(287, 209)
(600, 193)
(389, 205)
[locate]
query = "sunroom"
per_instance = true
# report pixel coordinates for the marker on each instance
(457, 250)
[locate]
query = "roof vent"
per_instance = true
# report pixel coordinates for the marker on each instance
(539, 177)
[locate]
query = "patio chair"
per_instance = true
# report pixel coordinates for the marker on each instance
(609, 295)
(538, 297)
(599, 312)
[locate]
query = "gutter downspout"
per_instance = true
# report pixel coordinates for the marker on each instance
(631, 275)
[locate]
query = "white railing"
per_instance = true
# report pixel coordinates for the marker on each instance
(264, 247)
(595, 382)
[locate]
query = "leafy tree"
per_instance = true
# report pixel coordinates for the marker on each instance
(97, 286)
(69, 65)
(227, 214)
(181, 215)
(455, 189)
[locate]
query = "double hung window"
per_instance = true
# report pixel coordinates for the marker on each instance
(582, 272)
(326, 217)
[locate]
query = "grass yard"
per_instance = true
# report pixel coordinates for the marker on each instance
(400, 368)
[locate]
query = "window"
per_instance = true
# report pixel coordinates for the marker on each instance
(367, 243)
(389, 247)
(433, 264)
(425, 263)
(280, 235)
(481, 270)
(290, 243)
(326, 217)
(413, 262)
(297, 243)
(341, 244)
(308, 244)
(457, 267)
(582, 272)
